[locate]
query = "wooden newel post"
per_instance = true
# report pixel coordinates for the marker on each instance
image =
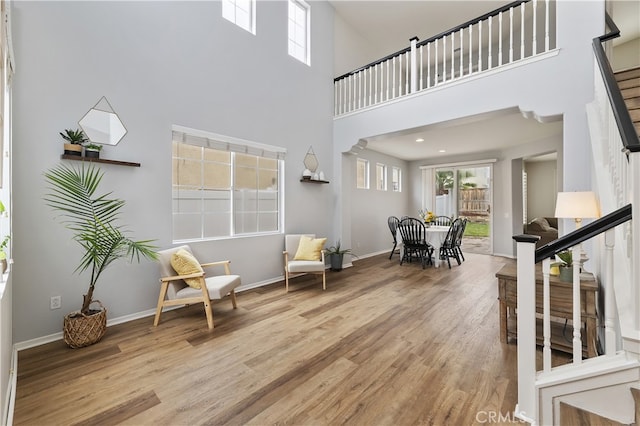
(526, 288)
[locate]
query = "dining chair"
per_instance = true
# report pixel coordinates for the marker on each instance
(459, 236)
(448, 248)
(414, 241)
(393, 221)
(442, 221)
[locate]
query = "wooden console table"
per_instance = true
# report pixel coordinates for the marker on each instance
(561, 301)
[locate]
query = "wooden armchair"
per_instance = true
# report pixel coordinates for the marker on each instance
(191, 285)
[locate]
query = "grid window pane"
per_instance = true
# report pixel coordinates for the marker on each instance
(298, 30)
(362, 174)
(211, 187)
(381, 177)
(396, 178)
(240, 12)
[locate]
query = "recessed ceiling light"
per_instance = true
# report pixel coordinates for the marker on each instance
(419, 140)
(443, 150)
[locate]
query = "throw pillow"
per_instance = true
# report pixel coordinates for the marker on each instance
(184, 264)
(309, 248)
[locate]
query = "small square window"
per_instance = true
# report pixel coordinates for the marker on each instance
(362, 172)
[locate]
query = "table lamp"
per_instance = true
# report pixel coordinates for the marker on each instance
(577, 206)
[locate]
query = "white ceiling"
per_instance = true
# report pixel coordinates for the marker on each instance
(388, 25)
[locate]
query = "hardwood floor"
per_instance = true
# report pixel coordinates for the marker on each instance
(384, 345)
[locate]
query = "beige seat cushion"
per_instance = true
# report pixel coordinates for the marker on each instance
(305, 266)
(218, 287)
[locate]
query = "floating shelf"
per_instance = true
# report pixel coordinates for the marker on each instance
(313, 181)
(98, 160)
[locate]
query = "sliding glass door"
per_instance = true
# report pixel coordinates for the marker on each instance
(465, 191)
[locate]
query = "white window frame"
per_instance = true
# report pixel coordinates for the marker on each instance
(232, 9)
(381, 177)
(396, 186)
(366, 173)
(214, 141)
(299, 32)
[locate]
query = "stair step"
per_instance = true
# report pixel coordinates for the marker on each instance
(627, 84)
(635, 115)
(632, 103)
(574, 416)
(627, 74)
(632, 92)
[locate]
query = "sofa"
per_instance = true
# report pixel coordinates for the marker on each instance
(545, 227)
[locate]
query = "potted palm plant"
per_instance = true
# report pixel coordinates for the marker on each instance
(93, 220)
(74, 140)
(337, 256)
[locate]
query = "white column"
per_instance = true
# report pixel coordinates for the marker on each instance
(414, 65)
(634, 187)
(526, 305)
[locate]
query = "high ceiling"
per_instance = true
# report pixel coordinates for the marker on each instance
(388, 25)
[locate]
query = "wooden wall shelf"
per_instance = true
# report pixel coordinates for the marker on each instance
(313, 181)
(98, 160)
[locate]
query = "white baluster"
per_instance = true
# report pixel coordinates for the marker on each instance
(510, 34)
(348, 99)
(375, 78)
(470, 49)
(480, 46)
(546, 315)
(387, 89)
(407, 69)
(577, 320)
(414, 65)
(359, 91)
(522, 10)
(453, 55)
(500, 39)
(421, 69)
(370, 85)
(436, 63)
(428, 65)
(546, 26)
(534, 45)
(393, 78)
(444, 58)
(461, 50)
(490, 58)
(609, 300)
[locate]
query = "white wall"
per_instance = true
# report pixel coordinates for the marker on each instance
(541, 188)
(626, 55)
(547, 87)
(371, 208)
(158, 63)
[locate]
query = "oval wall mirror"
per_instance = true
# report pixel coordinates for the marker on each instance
(102, 125)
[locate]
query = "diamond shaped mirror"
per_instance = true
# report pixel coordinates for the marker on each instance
(310, 160)
(102, 125)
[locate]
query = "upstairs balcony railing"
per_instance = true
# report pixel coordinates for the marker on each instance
(510, 34)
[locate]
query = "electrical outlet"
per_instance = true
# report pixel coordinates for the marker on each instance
(56, 302)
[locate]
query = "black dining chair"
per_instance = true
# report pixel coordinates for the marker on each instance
(442, 221)
(393, 221)
(448, 249)
(414, 241)
(459, 236)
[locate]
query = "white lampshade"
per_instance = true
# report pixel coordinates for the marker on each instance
(577, 205)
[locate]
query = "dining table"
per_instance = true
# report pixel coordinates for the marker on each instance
(435, 235)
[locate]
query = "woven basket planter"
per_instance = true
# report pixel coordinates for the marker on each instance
(82, 330)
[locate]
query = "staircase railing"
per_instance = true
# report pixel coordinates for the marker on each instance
(616, 148)
(517, 31)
